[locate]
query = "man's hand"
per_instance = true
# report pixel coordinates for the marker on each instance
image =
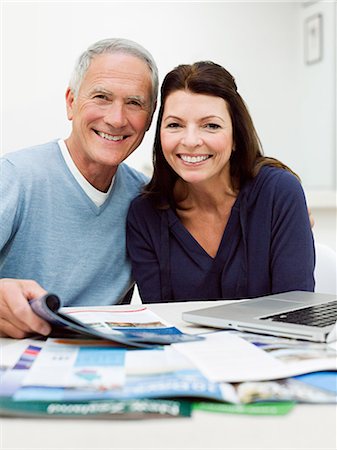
(311, 218)
(17, 319)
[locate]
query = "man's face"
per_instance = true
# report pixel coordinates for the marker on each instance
(110, 115)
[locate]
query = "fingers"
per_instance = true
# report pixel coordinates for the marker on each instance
(311, 218)
(8, 329)
(17, 319)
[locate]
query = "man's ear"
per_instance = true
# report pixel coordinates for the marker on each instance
(70, 99)
(151, 117)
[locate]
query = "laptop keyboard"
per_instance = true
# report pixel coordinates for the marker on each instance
(317, 315)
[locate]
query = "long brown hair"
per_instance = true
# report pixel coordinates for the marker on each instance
(206, 77)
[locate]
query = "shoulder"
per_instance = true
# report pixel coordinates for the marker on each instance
(130, 173)
(270, 186)
(141, 203)
(142, 209)
(275, 175)
(24, 170)
(132, 179)
(276, 181)
(32, 158)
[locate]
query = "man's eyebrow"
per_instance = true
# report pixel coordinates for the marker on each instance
(139, 98)
(100, 90)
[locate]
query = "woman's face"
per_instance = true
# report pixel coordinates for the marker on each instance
(197, 136)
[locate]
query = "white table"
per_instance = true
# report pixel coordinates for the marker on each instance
(305, 427)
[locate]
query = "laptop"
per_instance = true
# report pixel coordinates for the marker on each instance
(300, 315)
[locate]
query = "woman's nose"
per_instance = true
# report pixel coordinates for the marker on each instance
(191, 138)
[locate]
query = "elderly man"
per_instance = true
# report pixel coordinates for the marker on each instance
(63, 204)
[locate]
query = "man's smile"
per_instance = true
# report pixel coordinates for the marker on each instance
(110, 137)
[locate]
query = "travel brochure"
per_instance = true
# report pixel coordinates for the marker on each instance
(124, 325)
(225, 371)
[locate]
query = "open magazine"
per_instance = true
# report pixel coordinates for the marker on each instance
(134, 326)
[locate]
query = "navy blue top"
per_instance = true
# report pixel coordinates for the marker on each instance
(267, 246)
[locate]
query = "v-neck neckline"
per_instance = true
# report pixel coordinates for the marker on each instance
(193, 246)
(97, 210)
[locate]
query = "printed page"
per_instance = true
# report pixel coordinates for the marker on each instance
(11, 352)
(109, 318)
(91, 370)
(298, 356)
(128, 325)
(65, 365)
(227, 357)
(153, 362)
(137, 325)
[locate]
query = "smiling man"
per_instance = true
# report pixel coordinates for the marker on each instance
(64, 204)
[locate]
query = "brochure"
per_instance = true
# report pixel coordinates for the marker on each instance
(63, 372)
(97, 409)
(295, 389)
(122, 325)
(279, 408)
(78, 378)
(227, 356)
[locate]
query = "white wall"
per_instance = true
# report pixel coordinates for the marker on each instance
(41, 41)
(318, 123)
(261, 43)
(317, 89)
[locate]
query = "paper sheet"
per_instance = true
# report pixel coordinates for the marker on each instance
(226, 357)
(74, 366)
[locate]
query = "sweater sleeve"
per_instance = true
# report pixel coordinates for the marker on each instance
(143, 246)
(9, 201)
(292, 245)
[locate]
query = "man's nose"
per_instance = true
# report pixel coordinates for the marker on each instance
(116, 116)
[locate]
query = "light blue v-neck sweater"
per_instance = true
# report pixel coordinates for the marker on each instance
(51, 232)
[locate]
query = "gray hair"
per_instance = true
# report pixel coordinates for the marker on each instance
(112, 46)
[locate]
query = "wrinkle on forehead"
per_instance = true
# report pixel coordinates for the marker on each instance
(125, 71)
(119, 65)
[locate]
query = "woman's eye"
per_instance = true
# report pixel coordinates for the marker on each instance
(213, 126)
(173, 125)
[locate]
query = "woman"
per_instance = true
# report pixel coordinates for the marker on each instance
(217, 219)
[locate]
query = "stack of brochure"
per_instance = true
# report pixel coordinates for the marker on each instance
(126, 362)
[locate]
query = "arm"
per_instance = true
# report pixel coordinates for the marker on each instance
(17, 319)
(143, 239)
(292, 246)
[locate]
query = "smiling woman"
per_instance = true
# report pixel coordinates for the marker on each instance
(218, 219)
(197, 138)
